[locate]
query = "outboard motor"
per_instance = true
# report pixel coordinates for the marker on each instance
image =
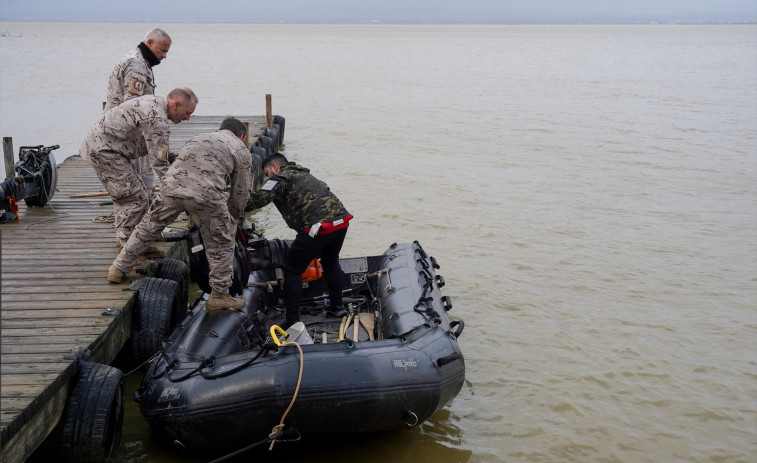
(37, 178)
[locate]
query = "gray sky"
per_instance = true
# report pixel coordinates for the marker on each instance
(328, 11)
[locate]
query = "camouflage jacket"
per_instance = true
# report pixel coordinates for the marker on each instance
(302, 199)
(206, 165)
(136, 128)
(131, 77)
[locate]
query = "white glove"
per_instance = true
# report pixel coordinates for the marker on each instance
(314, 230)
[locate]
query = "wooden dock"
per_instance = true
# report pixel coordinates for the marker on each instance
(55, 297)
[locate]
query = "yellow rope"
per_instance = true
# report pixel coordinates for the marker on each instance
(280, 426)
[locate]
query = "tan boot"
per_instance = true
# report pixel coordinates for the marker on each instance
(223, 301)
(115, 275)
(153, 253)
(143, 265)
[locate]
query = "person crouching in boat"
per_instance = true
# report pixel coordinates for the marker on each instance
(310, 208)
(196, 182)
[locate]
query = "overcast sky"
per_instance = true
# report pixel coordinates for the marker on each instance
(328, 11)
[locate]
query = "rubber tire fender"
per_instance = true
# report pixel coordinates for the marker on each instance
(257, 155)
(156, 313)
(94, 414)
(281, 122)
(175, 270)
(267, 144)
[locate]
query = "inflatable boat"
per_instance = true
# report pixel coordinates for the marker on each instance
(388, 361)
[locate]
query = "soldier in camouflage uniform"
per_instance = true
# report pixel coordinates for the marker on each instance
(133, 129)
(133, 77)
(196, 182)
(310, 208)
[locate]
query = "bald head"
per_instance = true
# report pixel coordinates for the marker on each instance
(156, 34)
(158, 41)
(181, 104)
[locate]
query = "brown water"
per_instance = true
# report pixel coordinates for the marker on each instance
(589, 191)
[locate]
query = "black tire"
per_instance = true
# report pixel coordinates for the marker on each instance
(257, 154)
(267, 144)
(94, 414)
(176, 270)
(156, 313)
(273, 134)
(281, 122)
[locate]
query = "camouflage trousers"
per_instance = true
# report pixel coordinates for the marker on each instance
(144, 169)
(125, 187)
(217, 226)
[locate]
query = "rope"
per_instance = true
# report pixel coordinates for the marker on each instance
(49, 218)
(265, 283)
(279, 427)
(277, 430)
(241, 451)
(110, 218)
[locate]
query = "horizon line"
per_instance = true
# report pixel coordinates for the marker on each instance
(401, 22)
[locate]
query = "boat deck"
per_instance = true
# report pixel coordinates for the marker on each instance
(55, 297)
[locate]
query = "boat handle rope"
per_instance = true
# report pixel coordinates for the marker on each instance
(460, 327)
(210, 361)
(447, 359)
(205, 362)
(263, 349)
(419, 250)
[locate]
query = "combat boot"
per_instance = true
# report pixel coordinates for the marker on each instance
(115, 275)
(223, 301)
(153, 253)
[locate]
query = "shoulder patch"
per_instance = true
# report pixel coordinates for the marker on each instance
(270, 185)
(136, 87)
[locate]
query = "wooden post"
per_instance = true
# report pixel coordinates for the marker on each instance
(268, 111)
(9, 162)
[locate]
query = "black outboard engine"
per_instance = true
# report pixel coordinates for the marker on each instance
(37, 165)
(37, 178)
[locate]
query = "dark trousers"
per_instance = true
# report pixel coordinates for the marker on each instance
(303, 250)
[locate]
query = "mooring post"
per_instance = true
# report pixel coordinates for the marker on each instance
(268, 111)
(8, 153)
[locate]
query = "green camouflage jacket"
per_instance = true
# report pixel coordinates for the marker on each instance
(302, 199)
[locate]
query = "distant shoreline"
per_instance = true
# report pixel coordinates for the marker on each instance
(407, 23)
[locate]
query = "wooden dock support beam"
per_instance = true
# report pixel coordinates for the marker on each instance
(8, 153)
(268, 111)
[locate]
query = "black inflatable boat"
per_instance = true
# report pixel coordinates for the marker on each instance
(225, 379)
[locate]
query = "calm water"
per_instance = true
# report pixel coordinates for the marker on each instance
(589, 191)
